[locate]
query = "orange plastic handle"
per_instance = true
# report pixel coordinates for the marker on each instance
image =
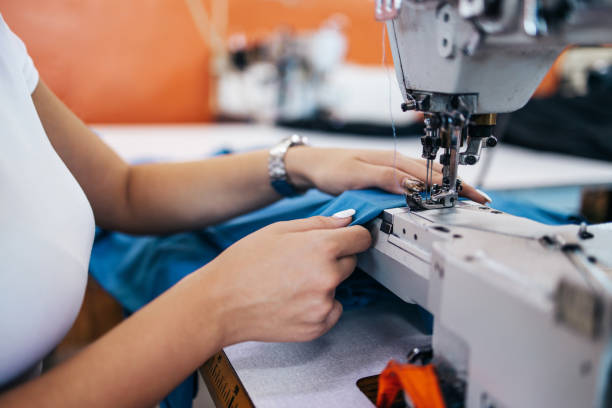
(419, 383)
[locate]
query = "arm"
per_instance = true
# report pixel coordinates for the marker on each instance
(152, 198)
(160, 198)
(136, 363)
(249, 292)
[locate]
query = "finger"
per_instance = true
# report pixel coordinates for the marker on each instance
(397, 178)
(470, 192)
(391, 158)
(408, 164)
(436, 166)
(315, 223)
(332, 317)
(383, 177)
(418, 169)
(414, 166)
(420, 172)
(394, 174)
(347, 241)
(466, 190)
(346, 266)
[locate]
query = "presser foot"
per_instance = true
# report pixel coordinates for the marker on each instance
(437, 198)
(444, 200)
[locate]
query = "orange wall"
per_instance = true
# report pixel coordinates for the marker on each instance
(122, 61)
(143, 61)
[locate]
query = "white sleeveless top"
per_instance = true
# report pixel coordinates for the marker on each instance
(46, 225)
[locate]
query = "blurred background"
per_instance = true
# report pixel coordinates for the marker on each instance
(114, 61)
(161, 61)
(305, 64)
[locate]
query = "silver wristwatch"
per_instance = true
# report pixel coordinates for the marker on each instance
(279, 179)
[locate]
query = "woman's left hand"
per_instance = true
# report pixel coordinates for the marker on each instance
(336, 170)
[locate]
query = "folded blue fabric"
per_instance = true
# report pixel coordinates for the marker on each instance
(135, 270)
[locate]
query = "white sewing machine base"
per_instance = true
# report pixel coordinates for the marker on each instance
(522, 310)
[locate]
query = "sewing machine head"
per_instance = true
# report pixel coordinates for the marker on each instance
(461, 62)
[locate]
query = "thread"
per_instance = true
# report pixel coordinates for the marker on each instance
(393, 129)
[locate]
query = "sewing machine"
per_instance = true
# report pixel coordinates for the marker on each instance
(522, 311)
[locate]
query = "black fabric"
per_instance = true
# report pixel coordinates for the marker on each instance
(580, 126)
(323, 124)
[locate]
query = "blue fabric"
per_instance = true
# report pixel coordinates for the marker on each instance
(503, 201)
(183, 394)
(135, 270)
(368, 204)
(303, 206)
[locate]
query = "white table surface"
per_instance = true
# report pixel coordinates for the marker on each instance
(324, 372)
(511, 168)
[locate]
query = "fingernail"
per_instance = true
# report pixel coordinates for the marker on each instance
(413, 185)
(344, 213)
(485, 195)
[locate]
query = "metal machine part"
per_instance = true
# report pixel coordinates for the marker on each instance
(449, 132)
(522, 311)
(461, 61)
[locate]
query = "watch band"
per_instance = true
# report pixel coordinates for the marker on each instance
(279, 179)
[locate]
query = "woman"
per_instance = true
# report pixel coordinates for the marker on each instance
(57, 177)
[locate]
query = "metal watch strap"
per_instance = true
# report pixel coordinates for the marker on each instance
(279, 179)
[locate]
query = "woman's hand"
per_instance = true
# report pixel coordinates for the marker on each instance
(278, 283)
(336, 170)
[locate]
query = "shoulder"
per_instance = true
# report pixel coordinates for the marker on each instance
(14, 54)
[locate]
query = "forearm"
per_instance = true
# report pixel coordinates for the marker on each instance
(138, 362)
(155, 198)
(177, 196)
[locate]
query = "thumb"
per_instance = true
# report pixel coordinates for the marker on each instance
(338, 220)
(333, 317)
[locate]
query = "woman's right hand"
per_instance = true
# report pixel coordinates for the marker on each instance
(278, 283)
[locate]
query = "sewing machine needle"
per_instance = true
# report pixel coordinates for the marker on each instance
(427, 183)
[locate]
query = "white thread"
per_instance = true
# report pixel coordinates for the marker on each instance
(384, 54)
